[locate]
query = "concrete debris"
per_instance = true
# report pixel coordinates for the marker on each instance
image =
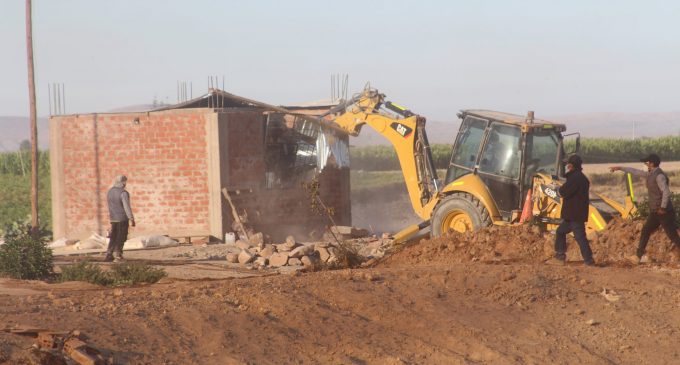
(346, 232)
(232, 257)
(245, 257)
(261, 261)
(243, 245)
(307, 254)
(290, 243)
(309, 261)
(64, 347)
(323, 253)
(301, 251)
(256, 239)
(278, 259)
(267, 251)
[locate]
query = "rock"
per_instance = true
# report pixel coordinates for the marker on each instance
(290, 243)
(243, 245)
(592, 322)
(267, 251)
(321, 245)
(261, 261)
(323, 254)
(294, 261)
(256, 239)
(347, 232)
(309, 260)
(303, 250)
(245, 257)
(282, 247)
(278, 259)
(232, 257)
(117, 292)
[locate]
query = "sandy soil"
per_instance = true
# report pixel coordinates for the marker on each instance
(460, 299)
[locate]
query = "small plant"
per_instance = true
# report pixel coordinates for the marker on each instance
(122, 274)
(25, 257)
(85, 271)
(348, 255)
(131, 273)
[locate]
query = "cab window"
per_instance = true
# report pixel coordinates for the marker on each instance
(466, 149)
(502, 154)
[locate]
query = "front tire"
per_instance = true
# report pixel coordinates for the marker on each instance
(460, 212)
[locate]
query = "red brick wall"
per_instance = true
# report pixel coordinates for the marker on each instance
(164, 157)
(242, 148)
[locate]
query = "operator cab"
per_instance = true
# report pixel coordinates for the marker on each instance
(505, 151)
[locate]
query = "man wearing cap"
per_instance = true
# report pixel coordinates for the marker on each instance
(120, 215)
(575, 205)
(661, 212)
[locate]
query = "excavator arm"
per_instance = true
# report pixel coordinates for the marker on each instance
(404, 130)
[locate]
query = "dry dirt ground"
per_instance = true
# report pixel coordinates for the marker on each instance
(462, 299)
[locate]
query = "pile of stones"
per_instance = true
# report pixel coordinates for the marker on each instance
(290, 253)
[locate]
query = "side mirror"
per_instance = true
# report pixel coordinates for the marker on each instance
(577, 143)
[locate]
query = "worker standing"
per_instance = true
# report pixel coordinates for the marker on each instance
(661, 212)
(575, 205)
(120, 215)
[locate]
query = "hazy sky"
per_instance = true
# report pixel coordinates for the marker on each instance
(436, 57)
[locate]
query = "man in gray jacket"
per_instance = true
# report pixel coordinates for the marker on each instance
(120, 215)
(661, 212)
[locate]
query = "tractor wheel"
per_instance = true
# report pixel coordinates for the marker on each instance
(460, 212)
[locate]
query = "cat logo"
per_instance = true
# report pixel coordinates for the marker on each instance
(403, 130)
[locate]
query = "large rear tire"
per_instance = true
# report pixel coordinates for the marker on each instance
(460, 212)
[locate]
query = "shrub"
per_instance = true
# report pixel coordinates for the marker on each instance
(130, 273)
(348, 255)
(25, 257)
(122, 274)
(85, 271)
(643, 208)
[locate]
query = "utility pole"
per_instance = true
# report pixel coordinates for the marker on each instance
(34, 128)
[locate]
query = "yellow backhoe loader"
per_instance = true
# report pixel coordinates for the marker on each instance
(501, 165)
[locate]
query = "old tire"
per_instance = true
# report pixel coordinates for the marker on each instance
(460, 212)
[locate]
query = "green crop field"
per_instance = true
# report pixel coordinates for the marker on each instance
(15, 188)
(593, 150)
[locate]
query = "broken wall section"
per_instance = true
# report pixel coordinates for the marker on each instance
(296, 152)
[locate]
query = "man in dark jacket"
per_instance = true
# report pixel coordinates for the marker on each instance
(661, 212)
(120, 214)
(575, 204)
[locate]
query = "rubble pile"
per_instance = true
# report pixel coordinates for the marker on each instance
(527, 243)
(328, 253)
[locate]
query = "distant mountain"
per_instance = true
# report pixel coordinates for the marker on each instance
(590, 125)
(13, 130)
(622, 125)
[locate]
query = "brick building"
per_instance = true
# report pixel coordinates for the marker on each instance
(179, 158)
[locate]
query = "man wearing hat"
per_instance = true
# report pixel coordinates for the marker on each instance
(661, 212)
(575, 205)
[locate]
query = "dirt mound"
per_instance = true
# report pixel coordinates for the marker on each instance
(526, 243)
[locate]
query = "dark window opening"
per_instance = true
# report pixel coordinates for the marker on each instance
(291, 150)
